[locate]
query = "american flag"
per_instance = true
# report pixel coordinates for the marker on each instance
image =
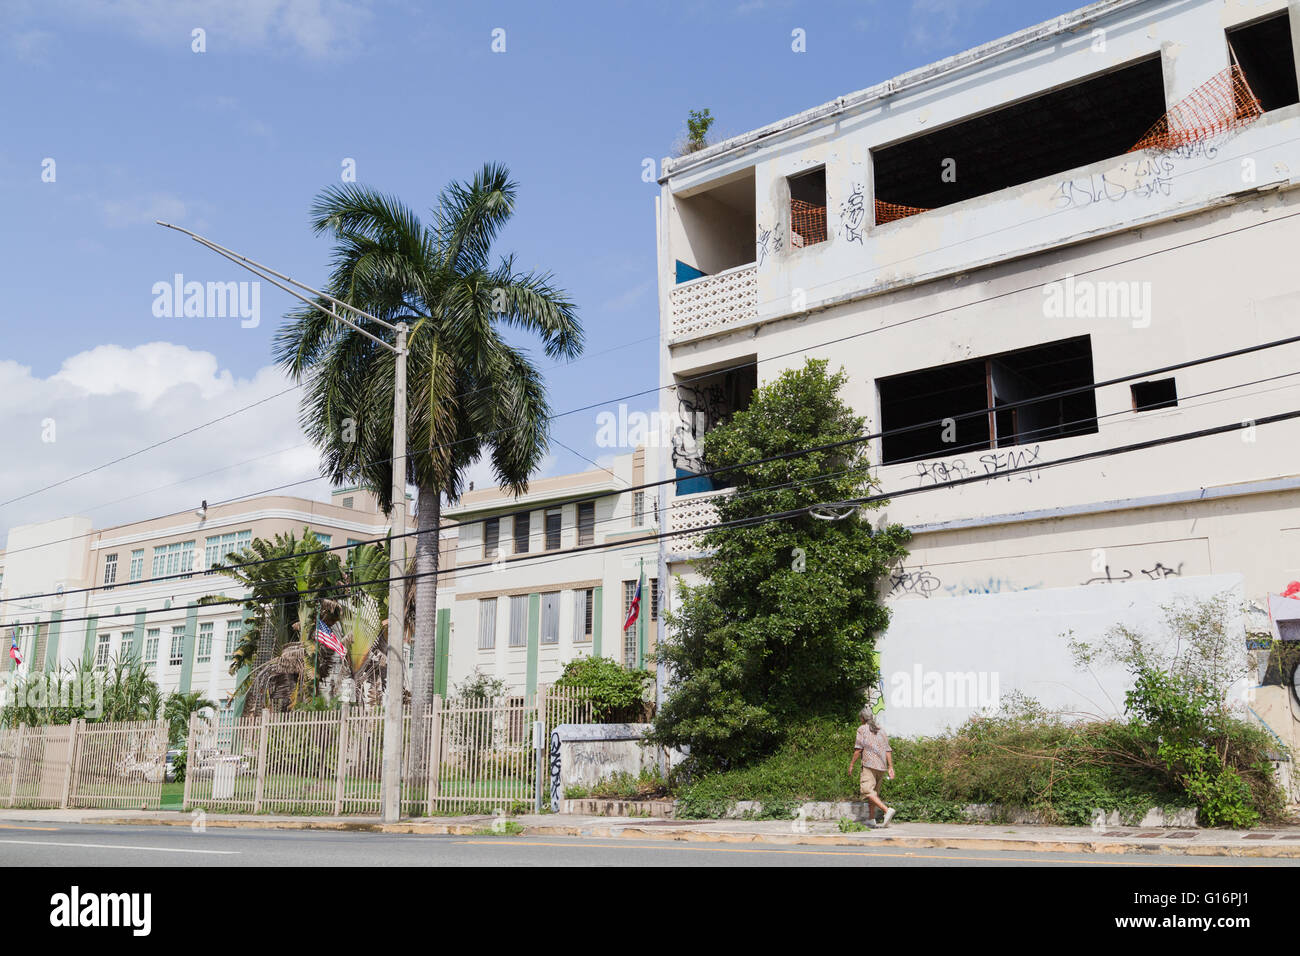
(13, 650)
(326, 636)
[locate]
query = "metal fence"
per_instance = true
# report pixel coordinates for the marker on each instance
(81, 764)
(473, 756)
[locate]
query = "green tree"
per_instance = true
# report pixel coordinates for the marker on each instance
(177, 713)
(781, 629)
(470, 392)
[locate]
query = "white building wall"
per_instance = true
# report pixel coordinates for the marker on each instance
(1211, 246)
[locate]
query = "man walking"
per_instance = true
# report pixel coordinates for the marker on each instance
(872, 745)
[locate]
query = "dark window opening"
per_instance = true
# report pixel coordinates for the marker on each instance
(1158, 394)
(586, 522)
(1263, 51)
(808, 208)
(1083, 123)
(523, 522)
(703, 403)
(959, 397)
(554, 516)
(491, 537)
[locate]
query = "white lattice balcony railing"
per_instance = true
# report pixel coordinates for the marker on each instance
(685, 513)
(713, 303)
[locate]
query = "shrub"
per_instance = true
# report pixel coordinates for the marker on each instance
(618, 694)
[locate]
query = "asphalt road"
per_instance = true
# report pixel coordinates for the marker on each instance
(86, 845)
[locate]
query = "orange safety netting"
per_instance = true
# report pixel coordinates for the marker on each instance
(889, 211)
(1222, 103)
(807, 223)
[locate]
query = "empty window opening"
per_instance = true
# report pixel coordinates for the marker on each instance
(554, 519)
(714, 228)
(808, 208)
(1264, 52)
(703, 403)
(1083, 123)
(586, 523)
(523, 524)
(1158, 394)
(491, 538)
(966, 399)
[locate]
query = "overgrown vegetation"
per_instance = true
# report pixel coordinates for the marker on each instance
(780, 630)
(1180, 744)
(1184, 695)
(698, 124)
(647, 785)
(618, 694)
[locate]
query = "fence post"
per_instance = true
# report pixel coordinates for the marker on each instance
(18, 758)
(70, 776)
(539, 744)
(189, 763)
(342, 759)
(261, 760)
(435, 753)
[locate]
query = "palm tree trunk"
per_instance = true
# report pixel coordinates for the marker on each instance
(429, 518)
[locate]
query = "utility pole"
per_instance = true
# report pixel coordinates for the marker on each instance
(391, 768)
(390, 787)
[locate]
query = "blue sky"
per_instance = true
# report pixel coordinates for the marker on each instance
(237, 140)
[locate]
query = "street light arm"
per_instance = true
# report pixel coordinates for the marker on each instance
(266, 271)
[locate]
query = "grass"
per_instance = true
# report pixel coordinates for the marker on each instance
(315, 796)
(1064, 771)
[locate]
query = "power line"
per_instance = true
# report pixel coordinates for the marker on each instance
(857, 439)
(157, 444)
(486, 566)
(736, 367)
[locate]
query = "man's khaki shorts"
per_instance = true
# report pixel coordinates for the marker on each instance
(869, 782)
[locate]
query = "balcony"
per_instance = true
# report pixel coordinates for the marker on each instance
(685, 513)
(714, 303)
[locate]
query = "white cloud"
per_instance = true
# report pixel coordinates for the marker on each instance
(110, 401)
(316, 28)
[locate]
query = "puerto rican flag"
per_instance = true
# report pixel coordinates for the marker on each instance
(634, 609)
(13, 650)
(326, 637)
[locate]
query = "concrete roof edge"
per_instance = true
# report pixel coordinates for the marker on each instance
(904, 81)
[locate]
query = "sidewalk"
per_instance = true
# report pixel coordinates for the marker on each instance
(1276, 842)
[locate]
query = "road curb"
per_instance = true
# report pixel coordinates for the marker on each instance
(688, 835)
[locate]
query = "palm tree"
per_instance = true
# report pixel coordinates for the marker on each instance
(470, 393)
(177, 712)
(270, 569)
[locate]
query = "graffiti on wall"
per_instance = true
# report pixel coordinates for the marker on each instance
(770, 241)
(853, 214)
(1153, 176)
(921, 582)
(917, 581)
(1157, 572)
(700, 406)
(555, 770)
(1013, 463)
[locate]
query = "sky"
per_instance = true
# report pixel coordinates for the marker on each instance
(112, 118)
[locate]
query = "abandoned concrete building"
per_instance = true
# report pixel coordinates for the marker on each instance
(1048, 243)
